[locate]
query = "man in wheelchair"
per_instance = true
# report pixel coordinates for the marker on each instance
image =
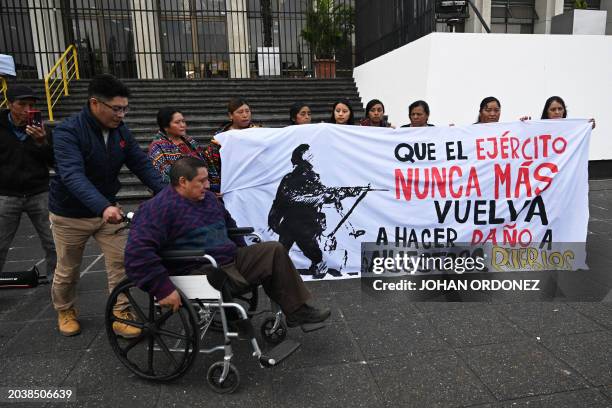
(185, 215)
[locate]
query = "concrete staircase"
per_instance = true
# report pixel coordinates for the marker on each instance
(203, 102)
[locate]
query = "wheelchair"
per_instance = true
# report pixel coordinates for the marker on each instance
(169, 341)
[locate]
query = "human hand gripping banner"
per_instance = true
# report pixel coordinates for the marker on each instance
(519, 190)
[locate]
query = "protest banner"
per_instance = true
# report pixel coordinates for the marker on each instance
(323, 190)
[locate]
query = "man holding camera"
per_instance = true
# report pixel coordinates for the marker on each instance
(26, 154)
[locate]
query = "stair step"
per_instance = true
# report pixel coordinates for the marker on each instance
(192, 113)
(285, 100)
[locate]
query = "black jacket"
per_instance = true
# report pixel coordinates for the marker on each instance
(24, 166)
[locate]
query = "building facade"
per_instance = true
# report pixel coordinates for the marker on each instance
(162, 38)
(384, 25)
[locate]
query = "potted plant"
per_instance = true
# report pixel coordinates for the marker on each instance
(328, 28)
(580, 5)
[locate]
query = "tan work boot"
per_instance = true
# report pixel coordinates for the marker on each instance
(125, 330)
(68, 323)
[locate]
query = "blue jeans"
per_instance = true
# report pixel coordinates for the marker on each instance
(35, 206)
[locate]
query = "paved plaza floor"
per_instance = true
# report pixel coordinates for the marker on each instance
(382, 352)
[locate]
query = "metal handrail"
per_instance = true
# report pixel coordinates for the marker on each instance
(67, 73)
(3, 88)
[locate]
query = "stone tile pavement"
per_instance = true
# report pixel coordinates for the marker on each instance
(376, 352)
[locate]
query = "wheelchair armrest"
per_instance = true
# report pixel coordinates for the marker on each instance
(186, 255)
(237, 232)
(182, 253)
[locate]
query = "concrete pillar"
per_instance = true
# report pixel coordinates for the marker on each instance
(472, 24)
(607, 5)
(546, 10)
(147, 43)
(238, 38)
(47, 33)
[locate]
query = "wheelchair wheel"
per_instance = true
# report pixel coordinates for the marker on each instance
(276, 336)
(168, 343)
(232, 380)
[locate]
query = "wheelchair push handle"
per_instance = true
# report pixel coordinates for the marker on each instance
(127, 218)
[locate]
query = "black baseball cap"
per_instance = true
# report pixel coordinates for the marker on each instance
(16, 92)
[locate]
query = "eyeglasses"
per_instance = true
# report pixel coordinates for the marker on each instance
(116, 109)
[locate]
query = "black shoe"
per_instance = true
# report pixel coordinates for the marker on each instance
(307, 314)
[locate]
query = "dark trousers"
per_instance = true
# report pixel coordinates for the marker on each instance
(11, 209)
(268, 264)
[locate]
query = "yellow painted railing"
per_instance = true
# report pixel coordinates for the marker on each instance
(3, 87)
(64, 70)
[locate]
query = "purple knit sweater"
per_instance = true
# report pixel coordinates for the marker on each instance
(170, 221)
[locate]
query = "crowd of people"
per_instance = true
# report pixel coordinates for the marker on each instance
(171, 142)
(87, 151)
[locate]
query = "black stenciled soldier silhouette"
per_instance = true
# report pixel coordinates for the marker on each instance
(297, 211)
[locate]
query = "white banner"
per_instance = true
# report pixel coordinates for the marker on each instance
(324, 189)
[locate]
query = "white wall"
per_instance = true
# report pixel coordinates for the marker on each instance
(453, 72)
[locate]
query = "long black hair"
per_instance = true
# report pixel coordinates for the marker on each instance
(351, 119)
(371, 104)
(416, 104)
(549, 102)
(484, 103)
(235, 103)
(294, 110)
(164, 117)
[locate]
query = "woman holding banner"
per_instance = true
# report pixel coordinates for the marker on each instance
(418, 112)
(342, 113)
(239, 113)
(375, 115)
(554, 108)
(300, 114)
(490, 110)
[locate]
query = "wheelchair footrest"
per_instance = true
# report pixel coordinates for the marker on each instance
(310, 327)
(279, 353)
